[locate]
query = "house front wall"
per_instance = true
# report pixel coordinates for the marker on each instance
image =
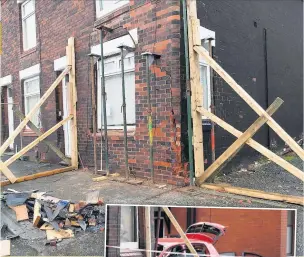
(157, 25)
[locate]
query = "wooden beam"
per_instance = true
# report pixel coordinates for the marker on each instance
(251, 102)
(255, 193)
(50, 144)
(254, 144)
(180, 231)
(38, 175)
(32, 112)
(196, 90)
(73, 100)
(235, 147)
(148, 231)
(6, 171)
(37, 141)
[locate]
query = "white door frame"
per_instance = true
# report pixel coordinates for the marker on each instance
(66, 113)
(10, 113)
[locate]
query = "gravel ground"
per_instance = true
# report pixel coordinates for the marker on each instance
(75, 186)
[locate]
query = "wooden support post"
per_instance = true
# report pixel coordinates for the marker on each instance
(250, 101)
(36, 141)
(196, 90)
(73, 100)
(235, 147)
(148, 231)
(180, 231)
(38, 175)
(32, 112)
(50, 144)
(255, 193)
(254, 144)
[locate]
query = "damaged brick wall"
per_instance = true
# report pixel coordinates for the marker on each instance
(159, 31)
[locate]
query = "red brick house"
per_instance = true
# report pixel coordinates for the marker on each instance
(268, 233)
(35, 34)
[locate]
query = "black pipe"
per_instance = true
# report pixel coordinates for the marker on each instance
(266, 82)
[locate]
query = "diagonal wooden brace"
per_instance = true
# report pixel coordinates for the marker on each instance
(6, 171)
(236, 146)
(33, 111)
(50, 144)
(37, 140)
(254, 144)
(250, 101)
(180, 231)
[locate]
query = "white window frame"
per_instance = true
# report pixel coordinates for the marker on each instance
(100, 13)
(31, 94)
(203, 63)
(116, 71)
(24, 32)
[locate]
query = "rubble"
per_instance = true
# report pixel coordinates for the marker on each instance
(59, 219)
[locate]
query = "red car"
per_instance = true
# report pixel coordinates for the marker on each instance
(202, 235)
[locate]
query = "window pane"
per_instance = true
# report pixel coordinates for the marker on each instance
(128, 224)
(204, 83)
(289, 240)
(31, 86)
(28, 8)
(30, 32)
(30, 102)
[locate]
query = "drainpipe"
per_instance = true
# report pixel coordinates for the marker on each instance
(124, 110)
(189, 117)
(104, 103)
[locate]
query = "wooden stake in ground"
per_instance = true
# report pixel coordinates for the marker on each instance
(148, 231)
(235, 147)
(180, 231)
(254, 144)
(251, 102)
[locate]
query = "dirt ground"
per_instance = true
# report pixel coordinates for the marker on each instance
(76, 184)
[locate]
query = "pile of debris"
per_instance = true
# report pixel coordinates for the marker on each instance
(59, 218)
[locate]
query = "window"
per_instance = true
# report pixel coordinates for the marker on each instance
(28, 24)
(205, 81)
(31, 97)
(114, 92)
(106, 6)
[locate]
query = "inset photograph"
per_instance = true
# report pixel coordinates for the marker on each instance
(152, 231)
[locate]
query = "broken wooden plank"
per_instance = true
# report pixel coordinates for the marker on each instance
(21, 212)
(49, 143)
(71, 207)
(33, 111)
(254, 144)
(180, 231)
(94, 198)
(255, 193)
(37, 214)
(38, 175)
(134, 181)
(234, 148)
(46, 226)
(5, 248)
(60, 234)
(98, 179)
(251, 102)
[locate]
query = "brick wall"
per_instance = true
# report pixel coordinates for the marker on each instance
(259, 231)
(113, 230)
(158, 24)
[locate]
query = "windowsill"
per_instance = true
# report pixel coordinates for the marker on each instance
(116, 134)
(102, 18)
(28, 52)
